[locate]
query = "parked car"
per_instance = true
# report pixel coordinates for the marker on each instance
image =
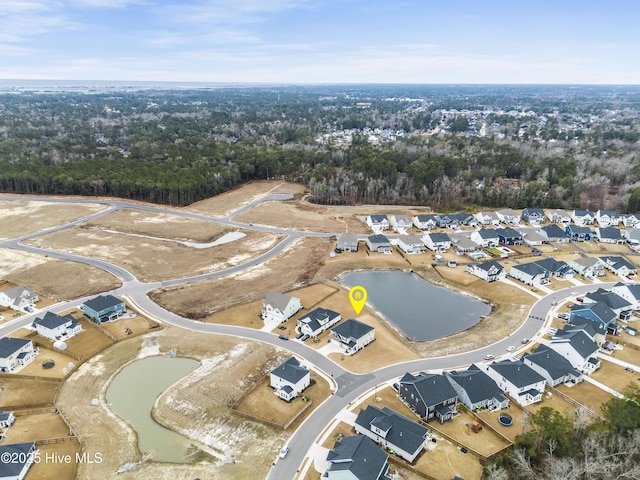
(283, 451)
(524, 341)
(28, 309)
(489, 356)
(283, 337)
(304, 338)
(511, 348)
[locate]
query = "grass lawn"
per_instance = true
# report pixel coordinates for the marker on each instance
(25, 392)
(587, 394)
(40, 426)
(613, 375)
(89, 341)
(49, 468)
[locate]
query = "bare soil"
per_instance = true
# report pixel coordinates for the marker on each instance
(53, 462)
(586, 394)
(25, 392)
(34, 427)
(485, 442)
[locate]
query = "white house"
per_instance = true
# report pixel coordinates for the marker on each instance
(289, 379)
(17, 298)
(20, 457)
(488, 218)
(530, 273)
(279, 307)
(405, 437)
(317, 321)
(559, 216)
(437, 242)
(609, 235)
(356, 458)
(401, 223)
(6, 419)
(508, 216)
(583, 217)
(555, 369)
(15, 352)
(631, 220)
(607, 218)
(619, 265)
(587, 266)
(55, 327)
(533, 216)
(378, 243)
(521, 382)
(347, 242)
(630, 292)
(489, 271)
(352, 335)
(424, 222)
(476, 389)
(485, 237)
(411, 244)
(578, 349)
(378, 223)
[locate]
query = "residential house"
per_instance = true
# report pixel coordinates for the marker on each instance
(559, 216)
(317, 321)
(104, 308)
(462, 243)
(289, 379)
(523, 384)
(530, 273)
(587, 266)
(556, 268)
(554, 233)
(356, 458)
(485, 237)
(444, 221)
(6, 419)
(578, 233)
(599, 312)
(508, 216)
(509, 236)
(17, 298)
(279, 307)
(15, 352)
(532, 237)
(533, 216)
(401, 223)
(609, 235)
(464, 219)
(437, 242)
(424, 222)
(405, 437)
(377, 223)
(555, 369)
(594, 329)
(578, 349)
(352, 335)
(488, 218)
(378, 243)
(17, 459)
(607, 218)
(489, 271)
(631, 220)
(54, 327)
(411, 244)
(583, 217)
(476, 390)
(429, 395)
(632, 238)
(347, 242)
(619, 266)
(630, 292)
(619, 306)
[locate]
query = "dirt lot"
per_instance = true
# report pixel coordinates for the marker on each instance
(53, 465)
(197, 406)
(135, 324)
(41, 215)
(153, 259)
(39, 426)
(295, 266)
(25, 392)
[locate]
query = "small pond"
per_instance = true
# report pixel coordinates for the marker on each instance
(418, 309)
(132, 394)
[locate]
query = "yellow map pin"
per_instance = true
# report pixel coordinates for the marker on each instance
(358, 297)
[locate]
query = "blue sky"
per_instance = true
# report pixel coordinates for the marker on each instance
(322, 41)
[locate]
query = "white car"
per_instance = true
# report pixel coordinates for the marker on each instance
(489, 356)
(283, 451)
(511, 348)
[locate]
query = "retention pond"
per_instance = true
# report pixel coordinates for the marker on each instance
(418, 309)
(132, 394)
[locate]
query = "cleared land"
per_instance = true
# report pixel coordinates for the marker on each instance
(37, 426)
(23, 392)
(40, 215)
(51, 467)
(586, 394)
(154, 259)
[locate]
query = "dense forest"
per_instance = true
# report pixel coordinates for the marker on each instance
(443, 146)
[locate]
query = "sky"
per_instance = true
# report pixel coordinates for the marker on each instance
(322, 41)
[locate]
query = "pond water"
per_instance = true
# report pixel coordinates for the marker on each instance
(132, 394)
(418, 309)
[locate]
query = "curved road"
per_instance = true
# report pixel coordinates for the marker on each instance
(349, 385)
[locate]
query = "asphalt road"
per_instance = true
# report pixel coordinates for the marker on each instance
(349, 385)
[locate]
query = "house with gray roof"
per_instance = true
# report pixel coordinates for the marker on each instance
(631, 220)
(620, 306)
(609, 235)
(424, 222)
(486, 237)
(508, 216)
(578, 233)
(104, 308)
(6, 419)
(509, 236)
(464, 219)
(594, 329)
(15, 352)
(401, 223)
(532, 237)
(530, 273)
(437, 242)
(523, 384)
(632, 237)
(559, 216)
(630, 292)
(556, 268)
(577, 348)
(587, 266)
(54, 327)
(289, 379)
(405, 437)
(347, 242)
(378, 243)
(430, 395)
(352, 335)
(378, 223)
(411, 244)
(598, 311)
(555, 369)
(533, 216)
(583, 217)
(476, 390)
(18, 297)
(619, 265)
(24, 455)
(554, 233)
(356, 458)
(462, 243)
(488, 218)
(279, 307)
(607, 218)
(317, 321)
(489, 271)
